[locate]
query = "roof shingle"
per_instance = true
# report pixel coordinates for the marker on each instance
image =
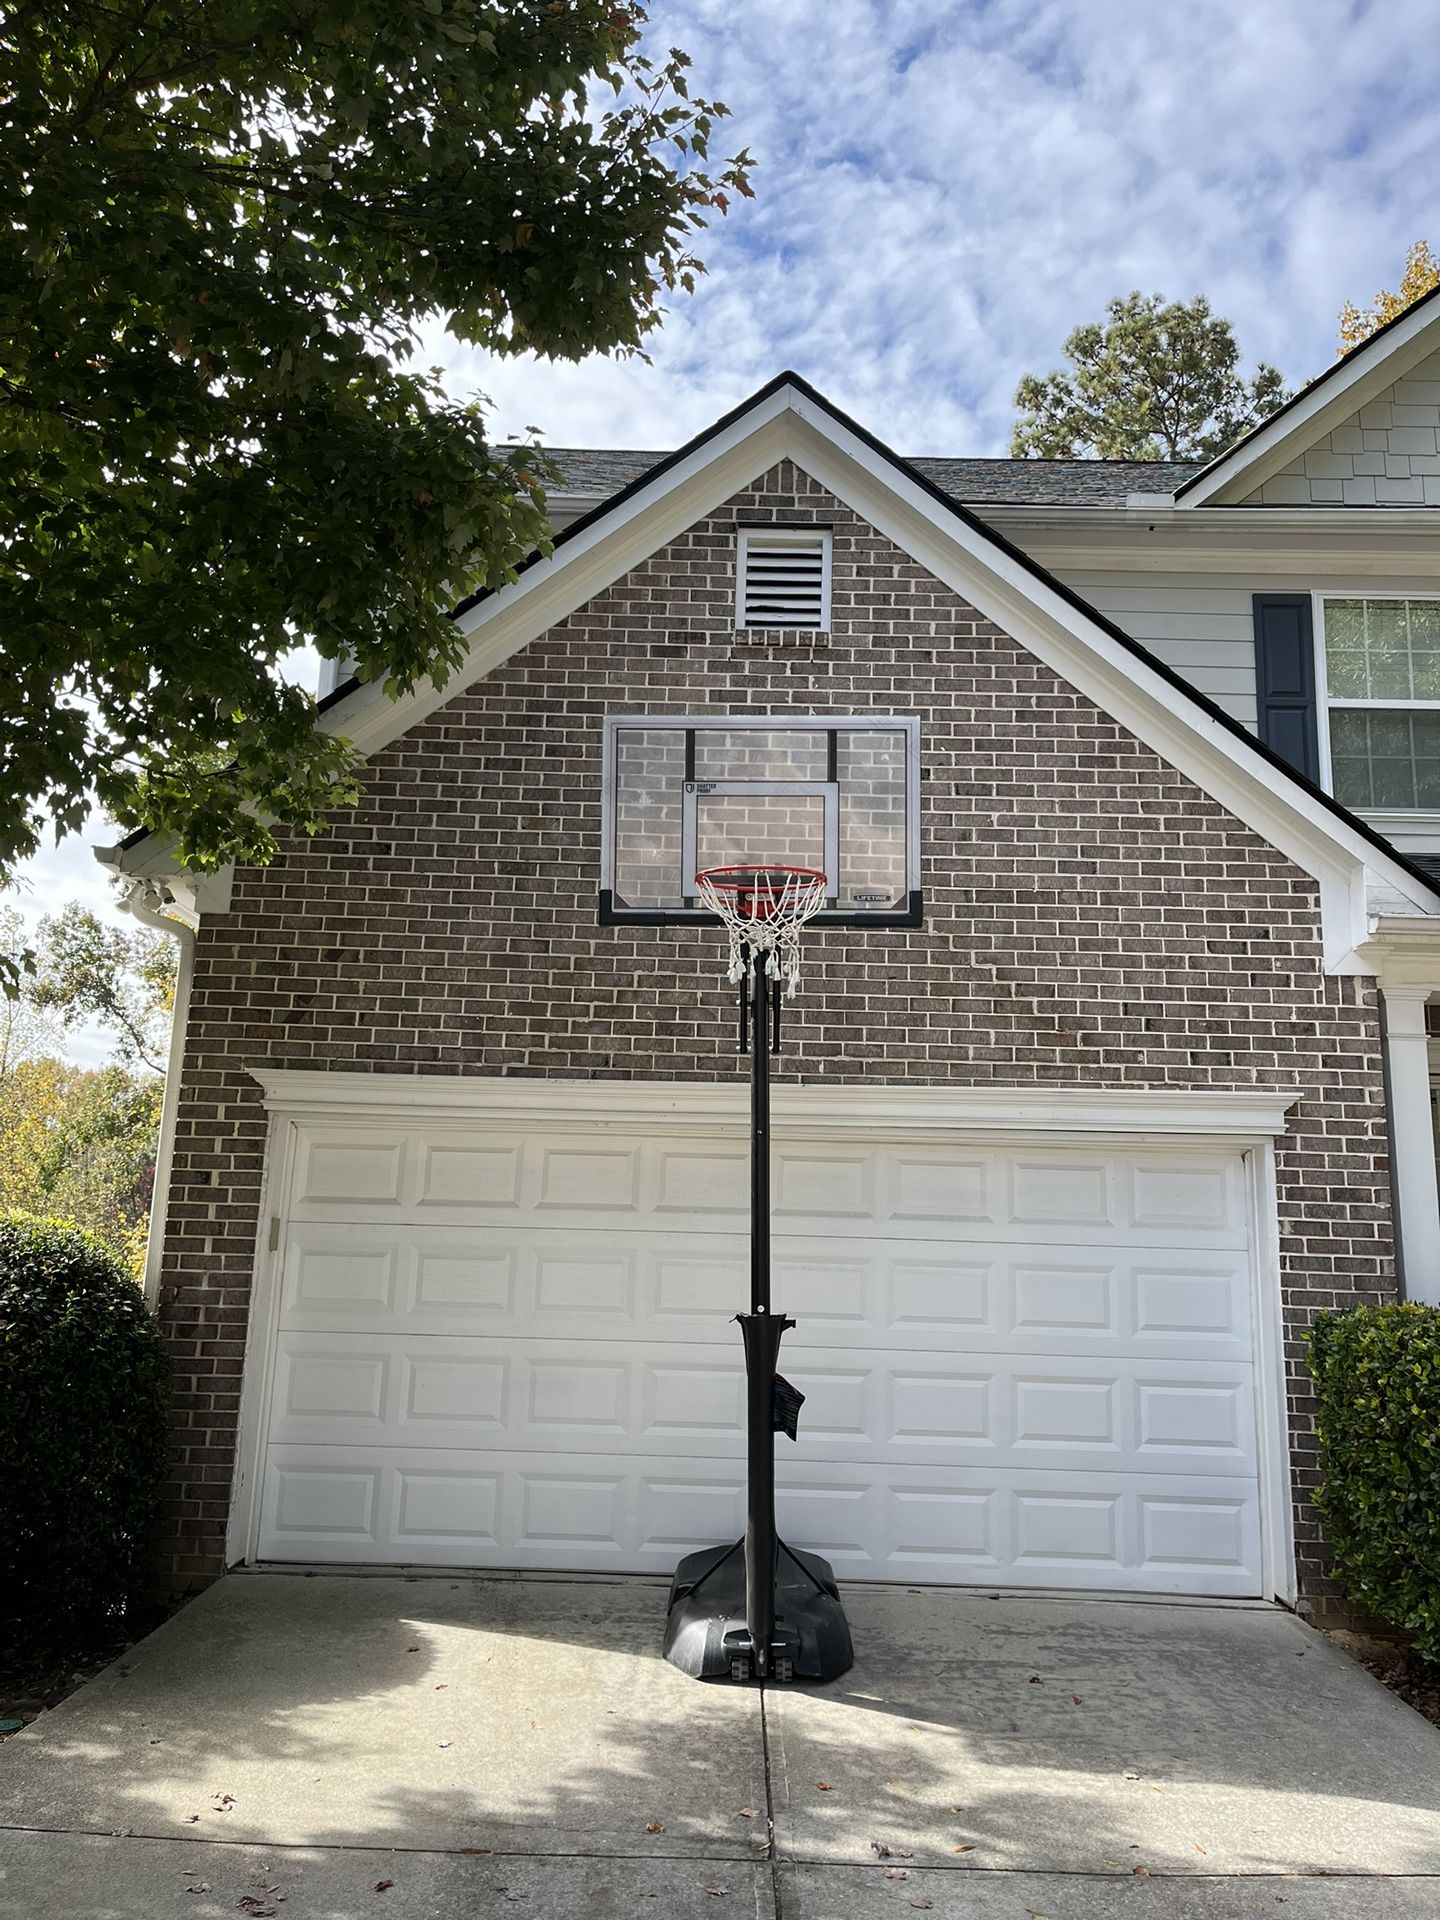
(602, 471)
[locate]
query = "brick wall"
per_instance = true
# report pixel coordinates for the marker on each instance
(1091, 918)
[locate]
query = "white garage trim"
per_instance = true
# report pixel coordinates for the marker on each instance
(1245, 1121)
(1247, 1115)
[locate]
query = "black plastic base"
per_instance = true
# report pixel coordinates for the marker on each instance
(706, 1635)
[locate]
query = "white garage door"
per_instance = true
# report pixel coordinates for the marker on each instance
(1025, 1365)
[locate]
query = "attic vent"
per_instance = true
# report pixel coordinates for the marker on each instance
(784, 579)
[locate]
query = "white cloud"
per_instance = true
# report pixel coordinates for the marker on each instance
(943, 191)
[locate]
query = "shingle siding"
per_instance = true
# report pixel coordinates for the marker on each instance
(1386, 455)
(1091, 918)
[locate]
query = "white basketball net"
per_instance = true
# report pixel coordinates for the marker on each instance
(767, 918)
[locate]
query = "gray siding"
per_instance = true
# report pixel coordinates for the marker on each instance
(1200, 624)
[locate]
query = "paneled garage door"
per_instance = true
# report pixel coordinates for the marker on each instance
(1027, 1365)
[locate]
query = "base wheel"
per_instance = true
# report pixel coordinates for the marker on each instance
(784, 1669)
(739, 1668)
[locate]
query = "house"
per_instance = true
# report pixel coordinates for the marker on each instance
(1109, 1066)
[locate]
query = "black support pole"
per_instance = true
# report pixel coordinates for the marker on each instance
(767, 1612)
(762, 1333)
(760, 1044)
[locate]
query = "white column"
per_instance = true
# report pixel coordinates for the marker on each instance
(1412, 1142)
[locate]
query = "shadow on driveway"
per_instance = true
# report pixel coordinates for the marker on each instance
(517, 1728)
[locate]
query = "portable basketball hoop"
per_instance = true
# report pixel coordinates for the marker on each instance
(758, 1609)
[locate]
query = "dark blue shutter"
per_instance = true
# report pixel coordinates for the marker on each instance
(1285, 678)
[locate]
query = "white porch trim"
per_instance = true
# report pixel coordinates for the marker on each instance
(1412, 1142)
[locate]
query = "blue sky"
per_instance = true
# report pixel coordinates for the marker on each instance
(944, 190)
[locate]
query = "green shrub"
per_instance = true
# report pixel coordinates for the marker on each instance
(83, 1433)
(1377, 1373)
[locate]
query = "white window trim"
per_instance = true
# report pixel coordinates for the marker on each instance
(782, 536)
(1324, 704)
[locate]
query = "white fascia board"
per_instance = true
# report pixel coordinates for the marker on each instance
(1366, 372)
(1245, 1114)
(553, 588)
(1121, 684)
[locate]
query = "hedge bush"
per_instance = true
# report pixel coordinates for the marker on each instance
(1377, 1374)
(83, 1434)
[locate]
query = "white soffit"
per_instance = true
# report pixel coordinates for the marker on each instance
(1318, 409)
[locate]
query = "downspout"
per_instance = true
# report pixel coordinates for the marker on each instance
(148, 901)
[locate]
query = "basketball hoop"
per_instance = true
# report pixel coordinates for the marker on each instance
(764, 910)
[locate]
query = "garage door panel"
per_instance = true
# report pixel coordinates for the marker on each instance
(916, 1524)
(512, 1281)
(604, 1177)
(671, 1401)
(1026, 1362)
(982, 1296)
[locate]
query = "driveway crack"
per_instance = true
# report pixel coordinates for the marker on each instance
(777, 1896)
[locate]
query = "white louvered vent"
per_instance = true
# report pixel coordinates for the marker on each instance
(784, 579)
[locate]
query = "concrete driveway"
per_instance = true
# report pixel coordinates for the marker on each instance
(341, 1746)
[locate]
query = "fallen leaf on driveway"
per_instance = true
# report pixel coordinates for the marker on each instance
(718, 1892)
(654, 1826)
(1140, 1870)
(1131, 1773)
(1036, 1681)
(445, 1743)
(882, 1852)
(922, 1903)
(1076, 1701)
(749, 1813)
(247, 1903)
(199, 1886)
(822, 1786)
(191, 1818)
(383, 1886)
(222, 1802)
(897, 1873)
(969, 1848)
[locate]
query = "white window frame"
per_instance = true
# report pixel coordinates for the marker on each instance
(779, 536)
(1324, 703)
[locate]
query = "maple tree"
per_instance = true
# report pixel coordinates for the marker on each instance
(1421, 276)
(227, 222)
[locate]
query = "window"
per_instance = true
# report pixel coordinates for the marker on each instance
(783, 578)
(684, 793)
(1381, 681)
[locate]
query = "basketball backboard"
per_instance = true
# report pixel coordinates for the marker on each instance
(686, 793)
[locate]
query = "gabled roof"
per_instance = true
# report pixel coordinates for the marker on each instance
(788, 418)
(1331, 398)
(600, 471)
